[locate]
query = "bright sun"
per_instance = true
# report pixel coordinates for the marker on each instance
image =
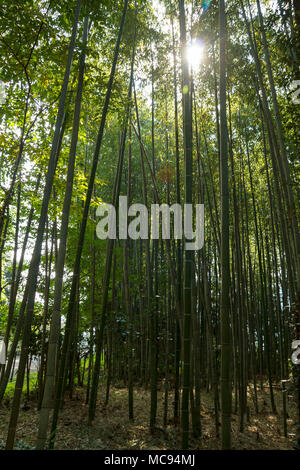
(194, 52)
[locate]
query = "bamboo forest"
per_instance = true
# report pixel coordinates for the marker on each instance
(149, 239)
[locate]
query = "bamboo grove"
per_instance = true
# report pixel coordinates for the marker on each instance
(101, 101)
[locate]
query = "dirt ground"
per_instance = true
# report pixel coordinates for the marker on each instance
(112, 429)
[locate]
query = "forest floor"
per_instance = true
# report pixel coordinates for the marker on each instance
(112, 429)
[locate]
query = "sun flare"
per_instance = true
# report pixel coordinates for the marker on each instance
(194, 53)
